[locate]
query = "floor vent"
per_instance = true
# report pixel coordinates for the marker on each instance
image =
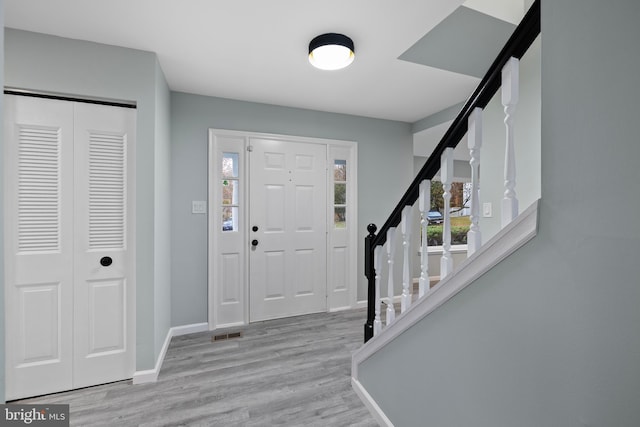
(228, 336)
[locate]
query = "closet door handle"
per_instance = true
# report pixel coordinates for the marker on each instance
(254, 242)
(106, 261)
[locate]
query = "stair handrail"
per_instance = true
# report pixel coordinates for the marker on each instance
(517, 45)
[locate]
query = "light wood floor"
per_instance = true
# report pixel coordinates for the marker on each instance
(287, 372)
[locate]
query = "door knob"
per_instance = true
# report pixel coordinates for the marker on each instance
(254, 242)
(106, 261)
(254, 228)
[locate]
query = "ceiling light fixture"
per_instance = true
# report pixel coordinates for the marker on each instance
(331, 51)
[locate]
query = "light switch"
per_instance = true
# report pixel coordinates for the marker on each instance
(199, 207)
(487, 210)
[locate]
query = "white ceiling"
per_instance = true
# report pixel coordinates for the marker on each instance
(256, 50)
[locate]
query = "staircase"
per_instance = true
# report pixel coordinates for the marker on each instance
(392, 242)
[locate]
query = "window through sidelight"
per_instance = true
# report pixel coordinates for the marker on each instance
(340, 193)
(230, 184)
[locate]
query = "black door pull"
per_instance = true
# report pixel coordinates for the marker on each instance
(254, 242)
(106, 261)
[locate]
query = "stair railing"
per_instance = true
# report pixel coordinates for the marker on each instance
(503, 72)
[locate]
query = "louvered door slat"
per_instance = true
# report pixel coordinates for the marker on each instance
(107, 191)
(39, 189)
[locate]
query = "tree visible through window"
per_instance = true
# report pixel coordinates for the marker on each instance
(230, 185)
(340, 193)
(459, 211)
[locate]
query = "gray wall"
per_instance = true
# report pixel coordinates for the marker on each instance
(384, 165)
(2, 376)
(526, 142)
(162, 210)
(46, 63)
(550, 336)
(440, 117)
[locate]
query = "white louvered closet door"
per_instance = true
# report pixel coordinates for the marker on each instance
(104, 296)
(38, 246)
(69, 319)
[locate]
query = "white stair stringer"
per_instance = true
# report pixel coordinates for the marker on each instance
(522, 229)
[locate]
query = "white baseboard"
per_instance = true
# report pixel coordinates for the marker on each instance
(344, 308)
(151, 375)
(189, 329)
(371, 404)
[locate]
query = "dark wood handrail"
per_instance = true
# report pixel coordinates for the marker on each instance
(519, 42)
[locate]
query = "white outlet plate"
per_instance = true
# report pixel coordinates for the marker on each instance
(487, 210)
(198, 207)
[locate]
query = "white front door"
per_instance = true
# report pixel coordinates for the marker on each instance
(287, 228)
(69, 274)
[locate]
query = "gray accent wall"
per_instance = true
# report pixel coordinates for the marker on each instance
(550, 336)
(464, 42)
(440, 117)
(47, 63)
(2, 347)
(385, 168)
(162, 210)
(526, 143)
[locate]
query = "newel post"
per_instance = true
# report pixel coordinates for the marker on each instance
(370, 274)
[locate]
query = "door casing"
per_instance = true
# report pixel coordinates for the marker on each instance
(229, 307)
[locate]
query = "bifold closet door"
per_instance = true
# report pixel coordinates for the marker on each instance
(69, 316)
(103, 267)
(38, 246)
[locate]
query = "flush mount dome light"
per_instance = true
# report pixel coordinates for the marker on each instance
(331, 51)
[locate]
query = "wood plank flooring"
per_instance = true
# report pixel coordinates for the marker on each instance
(286, 372)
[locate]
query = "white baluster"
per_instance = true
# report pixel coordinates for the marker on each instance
(406, 225)
(377, 265)
(424, 205)
(474, 142)
(391, 249)
(446, 175)
(510, 91)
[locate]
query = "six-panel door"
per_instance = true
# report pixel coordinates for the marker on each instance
(287, 255)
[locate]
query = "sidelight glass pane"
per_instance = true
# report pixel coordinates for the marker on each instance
(230, 165)
(230, 192)
(340, 194)
(340, 217)
(340, 170)
(230, 219)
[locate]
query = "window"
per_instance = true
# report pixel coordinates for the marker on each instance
(340, 194)
(230, 185)
(459, 212)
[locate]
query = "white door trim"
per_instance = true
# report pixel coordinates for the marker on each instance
(214, 218)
